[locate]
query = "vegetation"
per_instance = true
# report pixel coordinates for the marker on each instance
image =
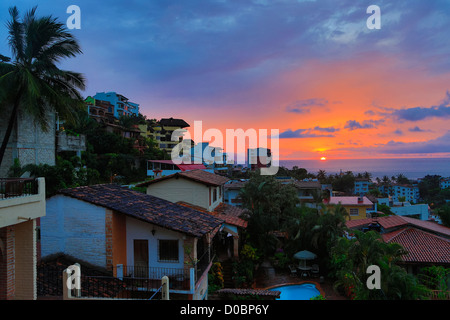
(269, 203)
(274, 210)
(113, 155)
(65, 174)
(31, 82)
(244, 269)
(351, 257)
(436, 278)
(109, 157)
(215, 277)
(444, 214)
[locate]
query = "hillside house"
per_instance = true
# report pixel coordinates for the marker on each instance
(133, 234)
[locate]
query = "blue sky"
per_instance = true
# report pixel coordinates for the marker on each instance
(309, 68)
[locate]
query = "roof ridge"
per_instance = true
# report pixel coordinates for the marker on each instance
(147, 208)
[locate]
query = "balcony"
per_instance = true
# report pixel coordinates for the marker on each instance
(122, 281)
(21, 200)
(16, 187)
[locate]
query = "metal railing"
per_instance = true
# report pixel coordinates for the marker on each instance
(204, 262)
(17, 187)
(149, 278)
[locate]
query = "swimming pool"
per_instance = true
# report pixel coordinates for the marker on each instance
(303, 291)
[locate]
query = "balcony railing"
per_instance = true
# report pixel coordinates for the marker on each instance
(17, 187)
(149, 278)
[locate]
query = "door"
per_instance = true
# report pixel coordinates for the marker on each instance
(141, 258)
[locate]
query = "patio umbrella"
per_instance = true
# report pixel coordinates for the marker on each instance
(305, 255)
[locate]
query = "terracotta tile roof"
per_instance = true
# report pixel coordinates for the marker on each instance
(228, 213)
(429, 225)
(200, 176)
(147, 208)
(422, 246)
(391, 222)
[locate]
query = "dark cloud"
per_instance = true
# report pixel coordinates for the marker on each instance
(304, 106)
(421, 113)
(415, 129)
(301, 133)
(327, 129)
(211, 49)
(366, 124)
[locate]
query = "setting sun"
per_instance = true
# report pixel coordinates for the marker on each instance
(323, 159)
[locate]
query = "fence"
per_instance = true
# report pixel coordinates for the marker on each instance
(16, 187)
(439, 295)
(148, 278)
(103, 287)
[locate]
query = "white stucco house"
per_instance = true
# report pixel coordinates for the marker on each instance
(132, 233)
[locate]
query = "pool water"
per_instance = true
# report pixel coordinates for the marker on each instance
(304, 291)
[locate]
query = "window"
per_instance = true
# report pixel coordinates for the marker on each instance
(215, 195)
(168, 250)
(354, 212)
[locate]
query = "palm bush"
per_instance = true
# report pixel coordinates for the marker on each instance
(31, 81)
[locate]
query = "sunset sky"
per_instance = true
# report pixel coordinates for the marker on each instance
(311, 69)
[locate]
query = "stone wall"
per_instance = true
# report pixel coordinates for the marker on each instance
(28, 142)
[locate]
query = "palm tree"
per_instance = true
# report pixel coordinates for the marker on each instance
(322, 176)
(31, 82)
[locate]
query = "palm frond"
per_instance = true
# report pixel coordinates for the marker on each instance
(15, 34)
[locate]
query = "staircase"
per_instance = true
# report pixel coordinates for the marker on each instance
(227, 274)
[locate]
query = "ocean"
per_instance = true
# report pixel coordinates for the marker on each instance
(413, 168)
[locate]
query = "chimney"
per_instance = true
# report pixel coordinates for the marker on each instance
(360, 199)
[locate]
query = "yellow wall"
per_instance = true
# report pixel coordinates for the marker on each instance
(185, 190)
(362, 211)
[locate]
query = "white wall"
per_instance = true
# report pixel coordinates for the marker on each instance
(75, 228)
(139, 230)
(189, 191)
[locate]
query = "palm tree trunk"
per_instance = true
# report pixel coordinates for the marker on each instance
(12, 121)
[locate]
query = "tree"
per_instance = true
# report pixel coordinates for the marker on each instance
(307, 229)
(32, 82)
(402, 179)
(351, 257)
(344, 183)
(269, 203)
(444, 214)
(322, 176)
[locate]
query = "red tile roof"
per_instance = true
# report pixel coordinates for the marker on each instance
(422, 246)
(390, 222)
(228, 213)
(200, 176)
(146, 208)
(386, 222)
(429, 225)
